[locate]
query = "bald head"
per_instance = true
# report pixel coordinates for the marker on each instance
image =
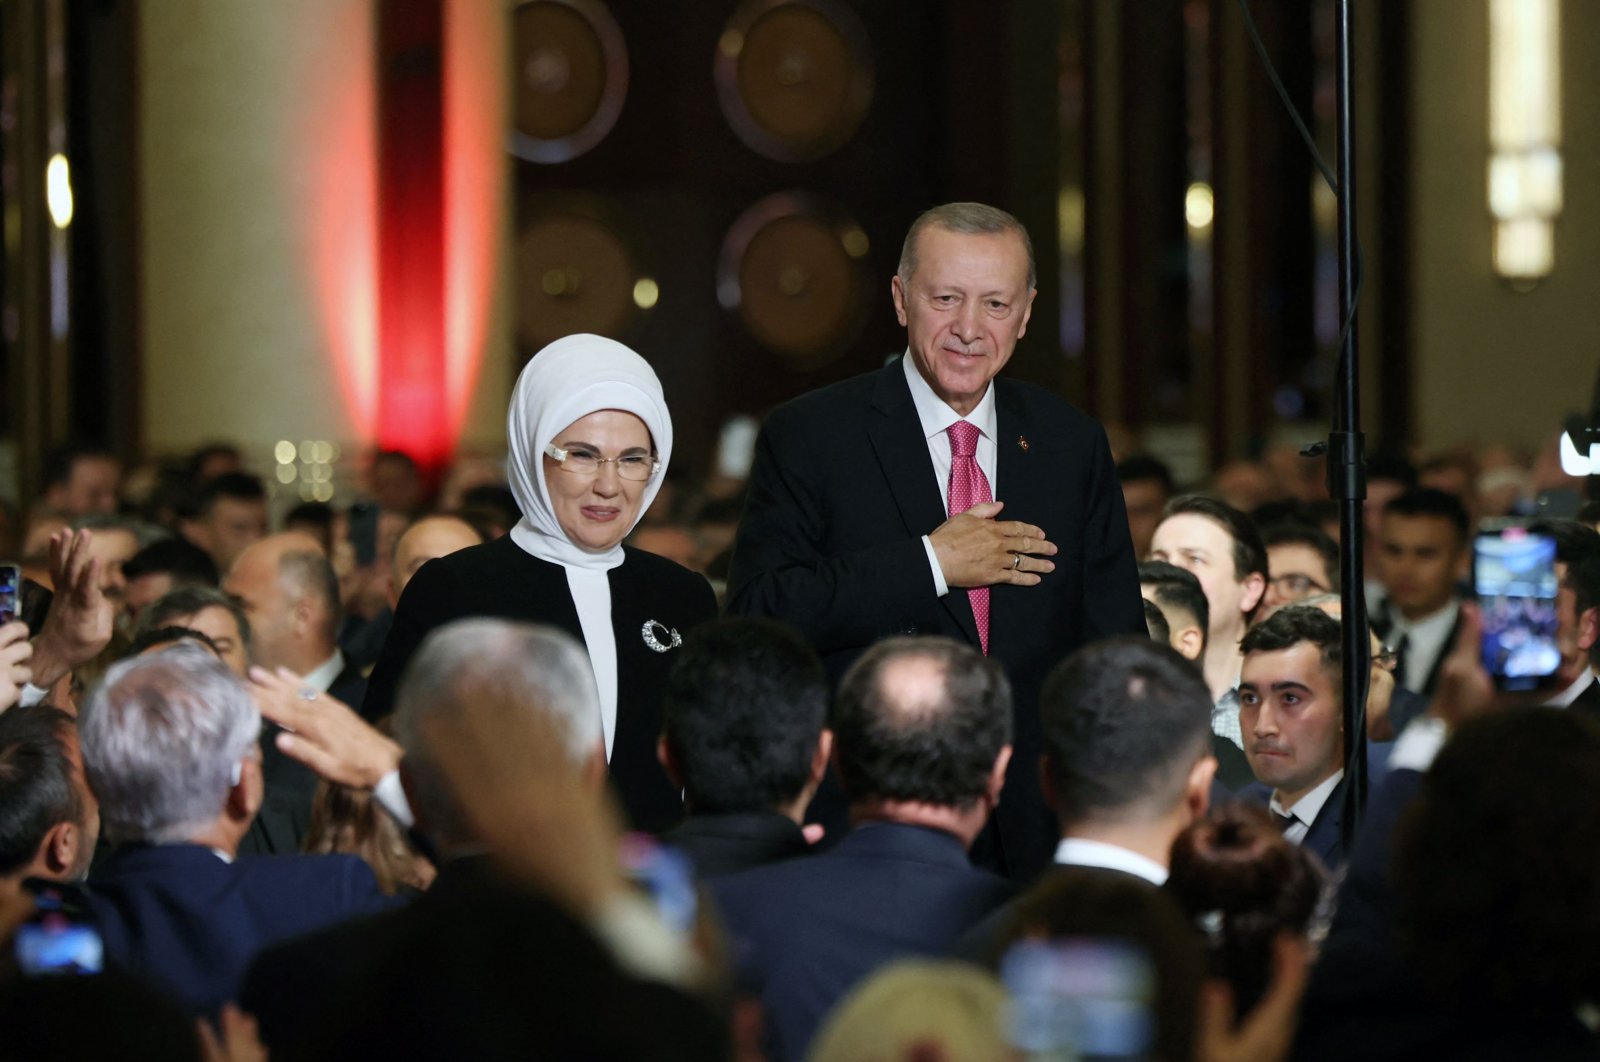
(429, 537)
(290, 594)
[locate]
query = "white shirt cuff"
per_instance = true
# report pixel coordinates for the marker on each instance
(940, 587)
(1418, 744)
(31, 695)
(391, 796)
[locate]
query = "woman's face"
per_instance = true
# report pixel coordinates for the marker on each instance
(597, 511)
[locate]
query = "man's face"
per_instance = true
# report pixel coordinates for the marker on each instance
(254, 582)
(1295, 572)
(1419, 560)
(1291, 719)
(1201, 546)
(1144, 499)
(91, 488)
(964, 309)
(1574, 657)
(233, 525)
(218, 624)
(144, 591)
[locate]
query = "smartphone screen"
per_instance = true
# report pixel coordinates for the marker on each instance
(10, 592)
(1081, 998)
(60, 938)
(1514, 576)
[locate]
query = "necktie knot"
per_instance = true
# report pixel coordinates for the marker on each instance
(963, 439)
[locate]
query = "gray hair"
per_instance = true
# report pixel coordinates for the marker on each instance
(529, 666)
(144, 532)
(308, 573)
(969, 219)
(161, 737)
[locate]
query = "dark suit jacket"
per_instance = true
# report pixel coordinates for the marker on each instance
(719, 845)
(499, 579)
(179, 917)
(1324, 837)
(841, 493)
(1382, 624)
(1587, 703)
(281, 825)
(804, 932)
(475, 968)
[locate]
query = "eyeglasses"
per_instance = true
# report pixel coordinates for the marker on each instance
(1296, 584)
(637, 467)
(1386, 658)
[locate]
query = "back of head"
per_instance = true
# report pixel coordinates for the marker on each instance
(1125, 721)
(1144, 467)
(1241, 884)
(1176, 588)
(968, 219)
(918, 1009)
(186, 563)
(309, 575)
(1575, 541)
(1106, 912)
(520, 666)
(744, 705)
(921, 719)
(239, 486)
(36, 784)
(162, 737)
(1155, 621)
(1497, 863)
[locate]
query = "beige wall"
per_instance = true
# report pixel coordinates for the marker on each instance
(258, 228)
(1491, 364)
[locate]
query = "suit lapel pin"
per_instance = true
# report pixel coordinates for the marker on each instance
(665, 641)
(1023, 443)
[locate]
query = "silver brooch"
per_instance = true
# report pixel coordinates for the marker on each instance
(654, 631)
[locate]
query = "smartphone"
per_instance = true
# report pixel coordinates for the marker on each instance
(363, 520)
(1080, 998)
(1514, 577)
(10, 593)
(60, 937)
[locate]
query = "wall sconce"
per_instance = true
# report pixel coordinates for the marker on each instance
(1524, 135)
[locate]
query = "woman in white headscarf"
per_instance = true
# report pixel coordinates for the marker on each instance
(590, 438)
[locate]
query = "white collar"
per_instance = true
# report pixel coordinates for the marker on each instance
(1308, 807)
(935, 413)
(1434, 624)
(1565, 698)
(321, 677)
(1082, 852)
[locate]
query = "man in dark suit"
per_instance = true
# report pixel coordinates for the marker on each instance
(873, 503)
(480, 966)
(290, 595)
(169, 747)
(923, 732)
(1424, 552)
(1290, 715)
(744, 733)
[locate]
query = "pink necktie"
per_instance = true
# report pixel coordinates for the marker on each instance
(968, 487)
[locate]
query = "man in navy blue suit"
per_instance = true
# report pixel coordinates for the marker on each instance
(922, 736)
(169, 748)
(935, 496)
(1290, 715)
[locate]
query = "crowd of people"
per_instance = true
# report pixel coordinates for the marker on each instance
(952, 730)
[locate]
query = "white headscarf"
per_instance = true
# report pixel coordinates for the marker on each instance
(564, 382)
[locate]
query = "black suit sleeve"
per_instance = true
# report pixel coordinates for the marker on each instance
(783, 566)
(430, 599)
(1110, 570)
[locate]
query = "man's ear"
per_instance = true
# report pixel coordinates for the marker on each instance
(821, 757)
(1588, 628)
(997, 775)
(1190, 642)
(897, 289)
(1255, 585)
(244, 796)
(1197, 790)
(669, 762)
(59, 849)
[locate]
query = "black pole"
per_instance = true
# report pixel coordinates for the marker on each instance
(1347, 479)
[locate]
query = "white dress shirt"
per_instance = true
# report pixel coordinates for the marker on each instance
(321, 677)
(1565, 698)
(1306, 809)
(1081, 852)
(936, 417)
(1425, 640)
